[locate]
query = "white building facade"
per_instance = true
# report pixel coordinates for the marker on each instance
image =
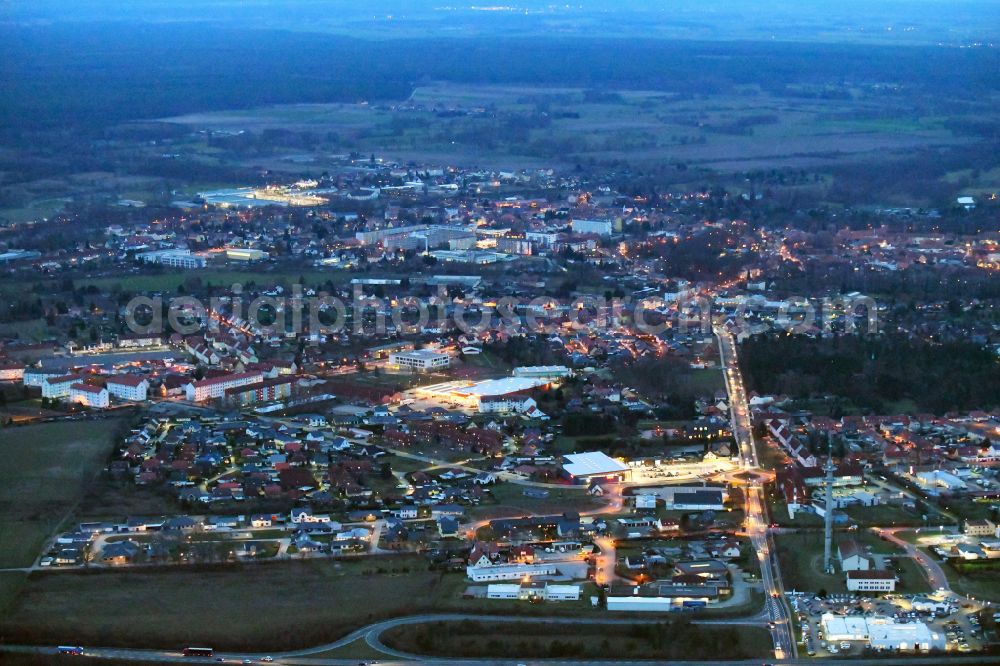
(89, 396)
(128, 387)
(420, 360)
(215, 387)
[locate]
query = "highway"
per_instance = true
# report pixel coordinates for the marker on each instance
(756, 512)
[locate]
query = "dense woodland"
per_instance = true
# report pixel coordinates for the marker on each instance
(99, 74)
(875, 374)
(667, 640)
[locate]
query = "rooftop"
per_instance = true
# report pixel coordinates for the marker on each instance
(594, 463)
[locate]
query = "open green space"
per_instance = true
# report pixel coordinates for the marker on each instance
(668, 640)
(800, 556)
(527, 124)
(911, 576)
(265, 606)
(978, 584)
(45, 471)
(31, 329)
(11, 583)
(241, 607)
(358, 649)
(780, 516)
(509, 499)
(972, 509)
(883, 515)
(407, 465)
(706, 381)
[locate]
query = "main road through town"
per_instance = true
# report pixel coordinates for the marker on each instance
(756, 513)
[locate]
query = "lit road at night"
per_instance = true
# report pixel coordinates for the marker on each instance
(757, 523)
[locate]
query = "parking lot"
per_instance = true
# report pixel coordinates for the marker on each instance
(671, 472)
(943, 613)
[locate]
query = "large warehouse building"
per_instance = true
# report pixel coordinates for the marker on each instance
(509, 394)
(582, 467)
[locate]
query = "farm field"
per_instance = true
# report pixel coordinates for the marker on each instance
(45, 473)
(746, 129)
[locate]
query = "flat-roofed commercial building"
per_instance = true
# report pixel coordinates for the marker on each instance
(582, 467)
(881, 633)
(420, 360)
(173, 258)
(509, 572)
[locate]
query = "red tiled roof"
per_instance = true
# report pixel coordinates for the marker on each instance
(126, 380)
(226, 378)
(65, 379)
(86, 388)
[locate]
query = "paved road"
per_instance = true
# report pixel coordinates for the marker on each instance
(371, 634)
(756, 514)
(935, 574)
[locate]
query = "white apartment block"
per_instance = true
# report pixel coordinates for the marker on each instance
(89, 396)
(36, 378)
(421, 360)
(216, 386)
(11, 372)
(58, 387)
(128, 387)
(599, 227)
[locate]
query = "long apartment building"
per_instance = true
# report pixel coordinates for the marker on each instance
(128, 387)
(216, 387)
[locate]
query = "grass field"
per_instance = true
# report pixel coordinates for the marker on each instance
(359, 649)
(801, 558)
(980, 585)
(706, 382)
(510, 499)
(779, 513)
(270, 606)
(884, 515)
(263, 607)
(45, 471)
(32, 329)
